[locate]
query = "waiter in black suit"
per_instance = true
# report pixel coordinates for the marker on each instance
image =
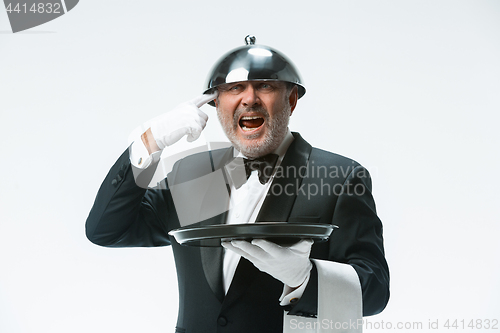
(248, 286)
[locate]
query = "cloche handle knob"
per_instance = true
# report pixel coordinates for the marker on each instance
(250, 39)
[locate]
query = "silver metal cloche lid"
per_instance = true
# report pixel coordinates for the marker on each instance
(253, 63)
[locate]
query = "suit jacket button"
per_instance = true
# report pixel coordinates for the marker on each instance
(114, 182)
(222, 321)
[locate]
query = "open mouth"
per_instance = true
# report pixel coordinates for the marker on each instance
(251, 123)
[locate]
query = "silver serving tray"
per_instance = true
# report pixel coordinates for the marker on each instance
(281, 233)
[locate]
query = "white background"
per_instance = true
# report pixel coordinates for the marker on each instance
(410, 89)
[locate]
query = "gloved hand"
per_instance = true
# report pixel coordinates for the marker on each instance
(185, 119)
(290, 265)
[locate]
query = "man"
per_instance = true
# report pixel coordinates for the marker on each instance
(248, 286)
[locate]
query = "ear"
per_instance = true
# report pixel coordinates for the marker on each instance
(216, 101)
(292, 99)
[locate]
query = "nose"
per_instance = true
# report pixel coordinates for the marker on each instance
(249, 97)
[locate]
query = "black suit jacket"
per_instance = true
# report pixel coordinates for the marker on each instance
(311, 185)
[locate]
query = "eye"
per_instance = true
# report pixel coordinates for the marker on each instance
(236, 87)
(265, 86)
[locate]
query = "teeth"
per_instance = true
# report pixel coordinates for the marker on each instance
(250, 118)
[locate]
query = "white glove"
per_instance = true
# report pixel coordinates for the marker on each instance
(290, 265)
(185, 119)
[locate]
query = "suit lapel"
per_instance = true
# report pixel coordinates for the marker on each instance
(211, 257)
(286, 183)
(244, 275)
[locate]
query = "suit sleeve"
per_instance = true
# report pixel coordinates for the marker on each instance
(357, 214)
(358, 242)
(126, 215)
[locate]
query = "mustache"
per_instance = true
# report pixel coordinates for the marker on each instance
(259, 109)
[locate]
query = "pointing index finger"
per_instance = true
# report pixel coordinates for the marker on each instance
(203, 99)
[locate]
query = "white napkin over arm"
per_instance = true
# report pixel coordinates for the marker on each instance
(340, 307)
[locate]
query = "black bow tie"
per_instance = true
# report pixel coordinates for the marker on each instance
(265, 166)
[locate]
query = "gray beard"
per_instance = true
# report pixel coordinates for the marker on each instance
(276, 131)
